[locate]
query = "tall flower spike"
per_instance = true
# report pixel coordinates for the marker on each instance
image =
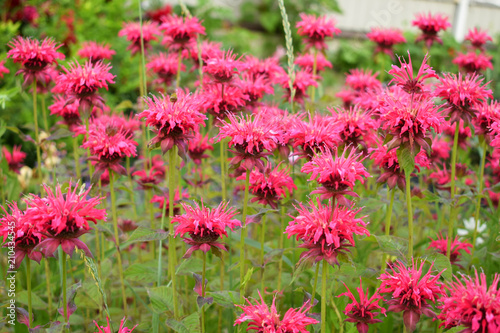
(325, 231)
(364, 311)
(263, 318)
(316, 30)
(174, 118)
(64, 218)
(472, 304)
(205, 226)
(404, 78)
(411, 292)
(252, 138)
(337, 175)
(462, 94)
(82, 83)
(268, 187)
(34, 56)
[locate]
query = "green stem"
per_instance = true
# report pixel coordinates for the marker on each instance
(49, 289)
(179, 63)
(313, 91)
(388, 216)
(315, 286)
(410, 215)
(223, 170)
(451, 221)
(156, 317)
(243, 236)
(28, 282)
(89, 163)
(323, 297)
(479, 192)
(44, 113)
(262, 239)
(37, 139)
(64, 278)
(203, 291)
(280, 245)
(131, 182)
(76, 158)
(171, 245)
(117, 238)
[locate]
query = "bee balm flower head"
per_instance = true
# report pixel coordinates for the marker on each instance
(316, 30)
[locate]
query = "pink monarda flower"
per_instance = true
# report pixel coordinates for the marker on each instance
(82, 83)
(440, 150)
(165, 66)
(96, 52)
(487, 114)
(15, 160)
(462, 95)
(34, 56)
(26, 234)
(251, 137)
(208, 50)
(254, 87)
(164, 203)
(472, 304)
(261, 318)
(478, 38)
(220, 100)
(303, 80)
(174, 118)
(69, 112)
(107, 329)
(318, 134)
(271, 185)
(222, 69)
(472, 62)
(361, 80)
(325, 231)
(316, 30)
(409, 121)
(440, 244)
(411, 292)
(337, 175)
(386, 39)
(205, 226)
(306, 61)
(391, 172)
(269, 68)
(357, 127)
(132, 31)
(197, 147)
(364, 311)
(3, 69)
(179, 30)
(148, 178)
(64, 218)
(404, 78)
(108, 145)
(158, 14)
(464, 133)
(442, 177)
(430, 25)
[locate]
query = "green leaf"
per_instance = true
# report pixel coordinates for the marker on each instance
(161, 299)
(189, 266)
(176, 326)
(441, 262)
(36, 302)
(225, 298)
(141, 272)
(247, 277)
(270, 20)
(393, 245)
(405, 158)
(299, 268)
(3, 128)
(192, 322)
(142, 234)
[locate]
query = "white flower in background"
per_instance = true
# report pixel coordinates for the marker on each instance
(470, 225)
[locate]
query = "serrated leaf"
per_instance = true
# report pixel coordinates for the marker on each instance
(441, 262)
(192, 322)
(393, 245)
(225, 298)
(36, 302)
(189, 266)
(142, 234)
(141, 272)
(177, 326)
(161, 299)
(406, 159)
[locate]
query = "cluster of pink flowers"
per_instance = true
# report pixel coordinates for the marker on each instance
(430, 25)
(475, 60)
